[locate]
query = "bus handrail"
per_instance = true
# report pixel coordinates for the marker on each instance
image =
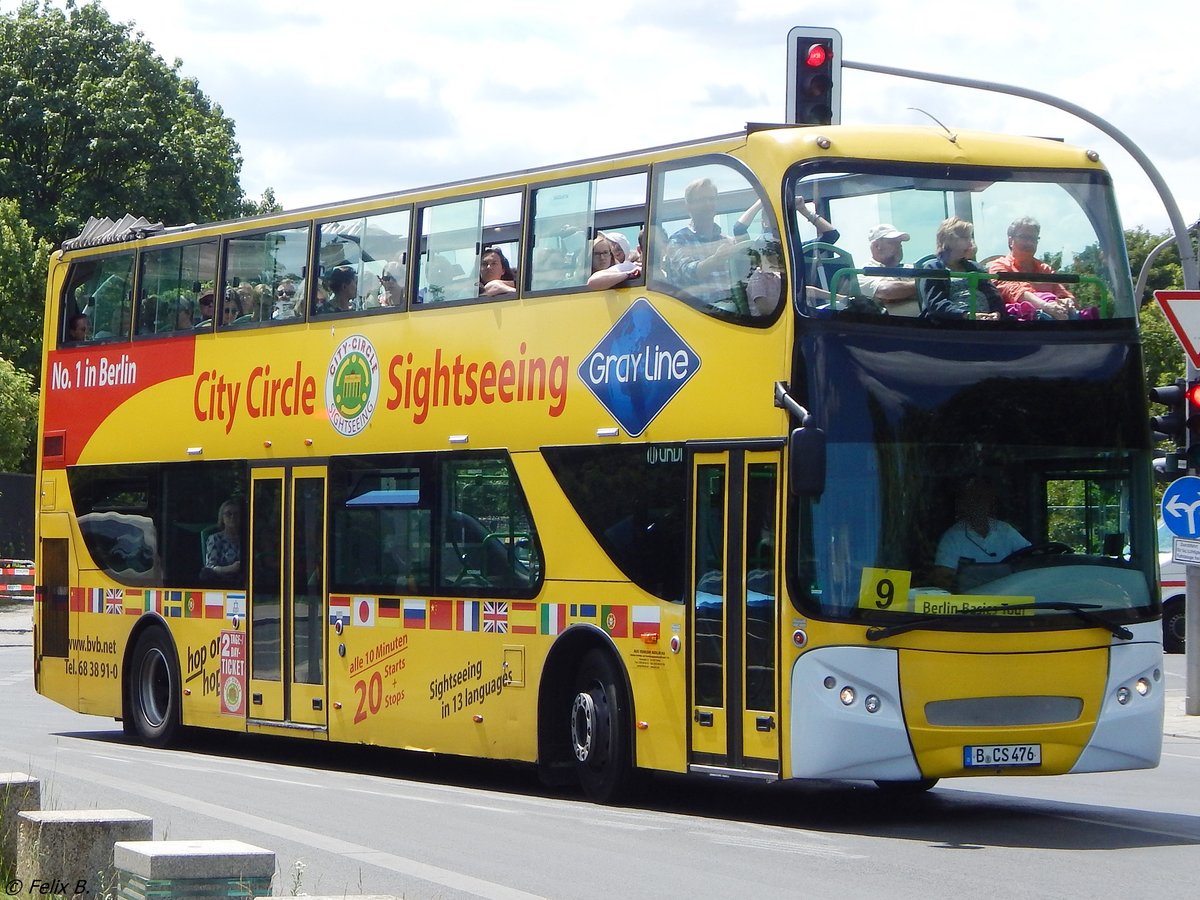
(973, 278)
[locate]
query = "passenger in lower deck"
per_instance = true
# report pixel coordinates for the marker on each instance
(977, 536)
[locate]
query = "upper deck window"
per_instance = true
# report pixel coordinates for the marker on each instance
(1010, 245)
(98, 300)
(469, 249)
(263, 276)
(173, 279)
(714, 244)
(374, 250)
(567, 220)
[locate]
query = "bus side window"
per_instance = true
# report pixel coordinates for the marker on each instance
(100, 289)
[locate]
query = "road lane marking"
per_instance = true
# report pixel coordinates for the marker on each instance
(328, 843)
(784, 846)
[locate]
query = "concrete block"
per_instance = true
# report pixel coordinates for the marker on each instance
(18, 793)
(72, 849)
(191, 869)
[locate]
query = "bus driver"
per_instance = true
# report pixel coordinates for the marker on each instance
(977, 536)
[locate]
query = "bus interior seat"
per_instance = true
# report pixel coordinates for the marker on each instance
(205, 533)
(822, 262)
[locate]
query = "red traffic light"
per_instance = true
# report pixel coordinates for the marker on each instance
(1193, 393)
(817, 56)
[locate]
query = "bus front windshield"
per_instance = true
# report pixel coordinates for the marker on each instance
(958, 244)
(968, 471)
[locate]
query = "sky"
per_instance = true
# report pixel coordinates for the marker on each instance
(334, 101)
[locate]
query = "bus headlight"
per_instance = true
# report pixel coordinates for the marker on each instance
(847, 694)
(871, 703)
(1122, 695)
(1142, 686)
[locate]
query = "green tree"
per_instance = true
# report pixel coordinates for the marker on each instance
(94, 122)
(18, 415)
(24, 259)
(264, 205)
(1162, 355)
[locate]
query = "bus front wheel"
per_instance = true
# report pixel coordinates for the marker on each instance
(1173, 625)
(600, 729)
(154, 689)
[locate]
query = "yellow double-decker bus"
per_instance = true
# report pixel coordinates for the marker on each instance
(642, 463)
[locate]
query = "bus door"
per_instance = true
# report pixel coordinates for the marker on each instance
(286, 615)
(734, 606)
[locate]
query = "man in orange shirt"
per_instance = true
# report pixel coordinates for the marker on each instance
(1049, 297)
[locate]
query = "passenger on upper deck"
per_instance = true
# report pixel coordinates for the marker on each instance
(205, 304)
(826, 233)
(620, 246)
(79, 327)
(1048, 297)
(699, 256)
(496, 276)
(343, 285)
(607, 271)
(183, 315)
(897, 294)
(951, 298)
(231, 308)
(391, 285)
(285, 300)
(764, 285)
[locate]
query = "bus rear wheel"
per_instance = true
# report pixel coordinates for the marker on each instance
(153, 686)
(600, 729)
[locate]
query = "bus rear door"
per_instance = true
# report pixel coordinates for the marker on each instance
(286, 616)
(734, 673)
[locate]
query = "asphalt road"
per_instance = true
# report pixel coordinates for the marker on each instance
(361, 820)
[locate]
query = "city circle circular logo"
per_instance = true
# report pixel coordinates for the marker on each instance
(352, 385)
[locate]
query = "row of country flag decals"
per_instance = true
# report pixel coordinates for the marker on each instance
(495, 617)
(185, 604)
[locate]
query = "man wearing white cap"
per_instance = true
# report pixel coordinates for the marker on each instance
(898, 295)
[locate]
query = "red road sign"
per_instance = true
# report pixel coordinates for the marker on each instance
(1182, 309)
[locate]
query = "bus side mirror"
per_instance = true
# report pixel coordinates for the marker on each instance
(806, 461)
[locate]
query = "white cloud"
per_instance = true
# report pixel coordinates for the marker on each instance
(334, 101)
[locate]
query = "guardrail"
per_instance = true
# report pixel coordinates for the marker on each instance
(16, 579)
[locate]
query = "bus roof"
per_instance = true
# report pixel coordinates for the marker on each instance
(918, 143)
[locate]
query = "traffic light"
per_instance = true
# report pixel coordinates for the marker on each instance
(1181, 422)
(814, 90)
(1171, 425)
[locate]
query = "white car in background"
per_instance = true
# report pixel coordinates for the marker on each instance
(1172, 578)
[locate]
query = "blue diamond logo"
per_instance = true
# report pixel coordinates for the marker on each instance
(638, 367)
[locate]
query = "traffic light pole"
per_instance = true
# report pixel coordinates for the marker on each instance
(1191, 282)
(1187, 256)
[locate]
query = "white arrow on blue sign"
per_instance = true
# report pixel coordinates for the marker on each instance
(1181, 507)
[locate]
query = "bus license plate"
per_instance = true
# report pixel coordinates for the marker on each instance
(989, 756)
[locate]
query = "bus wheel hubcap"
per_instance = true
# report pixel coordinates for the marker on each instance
(583, 717)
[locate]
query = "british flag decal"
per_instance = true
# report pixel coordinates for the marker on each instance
(495, 617)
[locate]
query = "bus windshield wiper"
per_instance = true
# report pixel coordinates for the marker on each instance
(1082, 610)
